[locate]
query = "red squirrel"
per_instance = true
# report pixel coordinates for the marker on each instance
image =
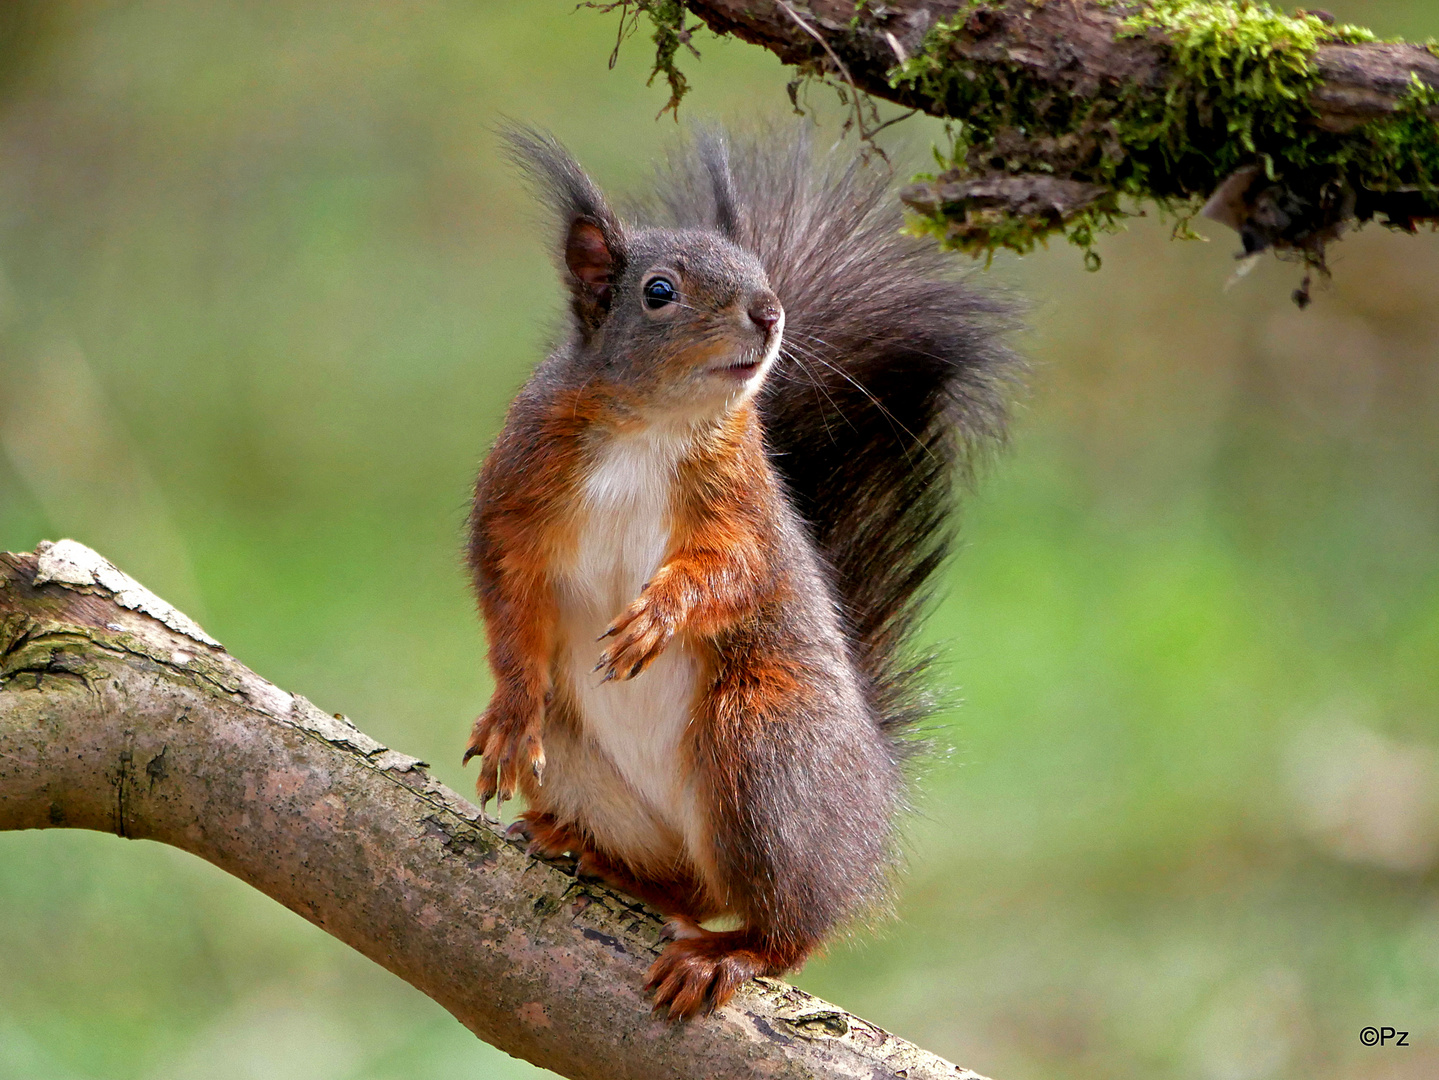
(704, 536)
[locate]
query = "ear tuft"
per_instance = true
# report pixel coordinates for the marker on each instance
(713, 151)
(593, 240)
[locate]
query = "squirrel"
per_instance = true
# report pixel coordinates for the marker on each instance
(704, 536)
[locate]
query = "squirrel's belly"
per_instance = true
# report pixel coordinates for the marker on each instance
(637, 724)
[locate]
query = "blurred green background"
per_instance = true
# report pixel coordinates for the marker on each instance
(265, 290)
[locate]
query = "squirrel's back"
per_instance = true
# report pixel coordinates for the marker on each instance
(893, 376)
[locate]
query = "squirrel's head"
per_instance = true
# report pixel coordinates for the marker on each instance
(681, 321)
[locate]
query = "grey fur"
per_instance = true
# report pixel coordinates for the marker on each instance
(895, 376)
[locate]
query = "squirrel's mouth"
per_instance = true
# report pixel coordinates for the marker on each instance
(740, 369)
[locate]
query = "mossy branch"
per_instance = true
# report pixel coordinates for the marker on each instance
(1066, 112)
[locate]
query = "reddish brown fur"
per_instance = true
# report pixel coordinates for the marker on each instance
(717, 572)
(780, 786)
(528, 532)
(680, 894)
(721, 570)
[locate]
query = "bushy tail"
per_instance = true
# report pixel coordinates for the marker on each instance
(893, 376)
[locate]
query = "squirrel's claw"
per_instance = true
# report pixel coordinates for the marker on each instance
(681, 928)
(610, 668)
(626, 617)
(549, 838)
(697, 974)
(643, 631)
(485, 787)
(519, 829)
(506, 747)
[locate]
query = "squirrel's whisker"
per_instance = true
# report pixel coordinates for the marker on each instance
(888, 415)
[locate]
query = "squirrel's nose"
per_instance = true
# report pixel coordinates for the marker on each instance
(766, 313)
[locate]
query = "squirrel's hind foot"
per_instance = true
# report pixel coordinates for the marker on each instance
(700, 969)
(548, 838)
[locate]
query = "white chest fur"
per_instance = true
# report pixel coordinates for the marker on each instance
(624, 535)
(627, 528)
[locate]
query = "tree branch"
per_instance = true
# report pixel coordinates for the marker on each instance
(118, 713)
(1067, 105)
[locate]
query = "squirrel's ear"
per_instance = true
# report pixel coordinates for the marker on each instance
(592, 265)
(593, 254)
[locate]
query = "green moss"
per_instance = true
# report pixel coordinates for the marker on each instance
(981, 98)
(1216, 29)
(985, 230)
(668, 19)
(1241, 78)
(1243, 74)
(1403, 147)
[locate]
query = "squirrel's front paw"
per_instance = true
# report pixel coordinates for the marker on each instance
(641, 633)
(506, 746)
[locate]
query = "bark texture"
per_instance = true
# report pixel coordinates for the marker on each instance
(1072, 46)
(119, 714)
(1069, 104)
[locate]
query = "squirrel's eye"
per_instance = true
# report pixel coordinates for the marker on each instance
(660, 291)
